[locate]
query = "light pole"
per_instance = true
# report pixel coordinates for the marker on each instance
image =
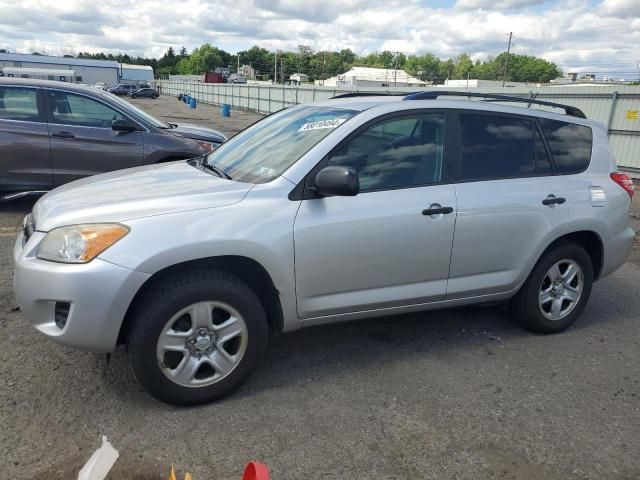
(275, 67)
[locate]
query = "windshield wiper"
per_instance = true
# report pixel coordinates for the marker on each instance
(218, 171)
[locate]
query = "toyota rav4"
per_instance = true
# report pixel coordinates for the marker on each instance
(354, 207)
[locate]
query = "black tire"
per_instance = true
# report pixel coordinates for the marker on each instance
(167, 298)
(134, 96)
(524, 306)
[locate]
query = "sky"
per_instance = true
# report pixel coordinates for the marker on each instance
(600, 36)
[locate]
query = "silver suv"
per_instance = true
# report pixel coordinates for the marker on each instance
(355, 207)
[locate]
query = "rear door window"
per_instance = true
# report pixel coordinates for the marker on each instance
(495, 147)
(19, 104)
(570, 145)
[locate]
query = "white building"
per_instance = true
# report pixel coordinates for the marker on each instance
(136, 73)
(372, 77)
(299, 78)
(474, 83)
(39, 73)
(248, 72)
(84, 70)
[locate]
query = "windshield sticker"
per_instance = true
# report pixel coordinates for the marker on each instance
(322, 124)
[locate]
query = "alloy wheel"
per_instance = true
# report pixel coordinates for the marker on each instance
(202, 344)
(561, 289)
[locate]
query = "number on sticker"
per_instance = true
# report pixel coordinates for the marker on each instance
(321, 124)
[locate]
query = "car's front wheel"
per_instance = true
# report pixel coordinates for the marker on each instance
(557, 290)
(196, 337)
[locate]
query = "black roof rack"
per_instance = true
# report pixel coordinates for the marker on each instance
(371, 94)
(433, 95)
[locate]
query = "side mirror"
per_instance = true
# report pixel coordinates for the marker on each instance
(123, 126)
(337, 182)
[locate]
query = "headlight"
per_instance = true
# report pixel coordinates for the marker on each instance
(80, 243)
(208, 145)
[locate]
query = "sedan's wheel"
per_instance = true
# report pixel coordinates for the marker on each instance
(202, 344)
(556, 291)
(196, 336)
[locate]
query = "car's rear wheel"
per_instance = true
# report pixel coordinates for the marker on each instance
(557, 290)
(196, 337)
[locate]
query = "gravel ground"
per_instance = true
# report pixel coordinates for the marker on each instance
(170, 109)
(452, 394)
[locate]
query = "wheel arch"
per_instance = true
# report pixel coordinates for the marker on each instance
(587, 239)
(246, 269)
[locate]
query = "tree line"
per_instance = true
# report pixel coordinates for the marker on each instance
(324, 64)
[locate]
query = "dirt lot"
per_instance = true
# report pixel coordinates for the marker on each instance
(171, 110)
(452, 394)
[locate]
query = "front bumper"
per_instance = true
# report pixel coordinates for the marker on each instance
(99, 293)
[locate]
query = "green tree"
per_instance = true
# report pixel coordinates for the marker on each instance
(205, 59)
(425, 67)
(183, 67)
(304, 59)
(463, 66)
(525, 68)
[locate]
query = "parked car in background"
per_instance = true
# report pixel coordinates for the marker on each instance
(123, 89)
(100, 85)
(237, 78)
(54, 132)
(144, 93)
(349, 208)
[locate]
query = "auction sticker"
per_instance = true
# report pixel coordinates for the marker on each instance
(322, 124)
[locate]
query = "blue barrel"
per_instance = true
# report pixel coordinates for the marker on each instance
(187, 99)
(192, 103)
(226, 110)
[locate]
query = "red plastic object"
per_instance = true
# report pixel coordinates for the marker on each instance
(256, 471)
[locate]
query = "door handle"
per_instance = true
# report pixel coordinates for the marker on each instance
(437, 210)
(63, 135)
(551, 200)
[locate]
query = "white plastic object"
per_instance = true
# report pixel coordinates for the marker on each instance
(100, 462)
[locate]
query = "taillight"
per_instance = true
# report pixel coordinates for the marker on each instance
(624, 181)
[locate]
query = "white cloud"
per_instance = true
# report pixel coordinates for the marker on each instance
(497, 4)
(573, 33)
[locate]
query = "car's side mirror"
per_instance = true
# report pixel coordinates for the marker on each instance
(337, 182)
(123, 126)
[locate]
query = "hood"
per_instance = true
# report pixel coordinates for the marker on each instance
(198, 132)
(136, 192)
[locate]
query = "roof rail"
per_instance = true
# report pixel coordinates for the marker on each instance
(371, 94)
(433, 95)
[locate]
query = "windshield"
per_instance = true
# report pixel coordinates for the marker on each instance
(265, 150)
(140, 113)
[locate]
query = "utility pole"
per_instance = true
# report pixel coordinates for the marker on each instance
(282, 70)
(395, 70)
(275, 68)
(506, 63)
(238, 69)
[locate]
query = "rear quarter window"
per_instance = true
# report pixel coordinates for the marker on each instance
(19, 104)
(570, 145)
